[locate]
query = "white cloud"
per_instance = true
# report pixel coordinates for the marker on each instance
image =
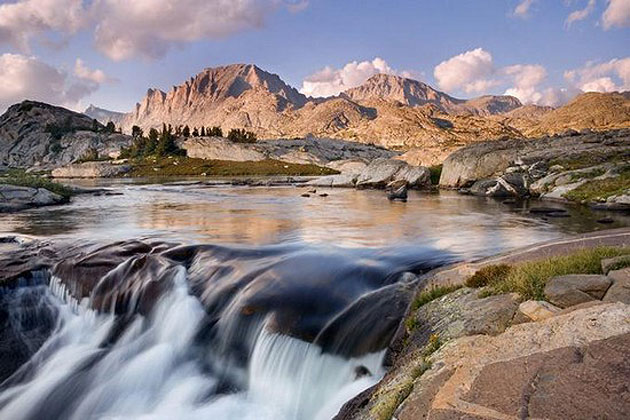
(140, 28)
(24, 77)
(581, 14)
(471, 71)
(474, 72)
(331, 82)
(85, 73)
(22, 20)
(148, 28)
(526, 79)
(522, 9)
(617, 14)
(610, 76)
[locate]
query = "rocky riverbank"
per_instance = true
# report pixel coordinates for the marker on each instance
(476, 345)
(588, 168)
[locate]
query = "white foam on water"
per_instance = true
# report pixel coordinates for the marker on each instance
(152, 372)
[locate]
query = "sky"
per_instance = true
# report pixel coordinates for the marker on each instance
(109, 52)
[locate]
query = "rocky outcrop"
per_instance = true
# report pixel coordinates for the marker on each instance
(571, 167)
(33, 134)
(619, 291)
(341, 155)
(91, 170)
(14, 198)
(378, 174)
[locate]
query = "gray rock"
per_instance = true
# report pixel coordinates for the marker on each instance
(46, 136)
(490, 159)
(397, 190)
(13, 198)
(565, 291)
(508, 185)
(91, 170)
(619, 291)
(380, 172)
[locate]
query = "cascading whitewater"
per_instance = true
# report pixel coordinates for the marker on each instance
(202, 332)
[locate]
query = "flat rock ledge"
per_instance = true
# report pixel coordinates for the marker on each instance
(14, 198)
(91, 170)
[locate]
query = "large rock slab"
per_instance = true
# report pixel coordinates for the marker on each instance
(565, 291)
(378, 174)
(91, 170)
(220, 149)
(570, 366)
(619, 291)
(14, 198)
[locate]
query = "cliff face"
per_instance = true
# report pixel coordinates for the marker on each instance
(34, 133)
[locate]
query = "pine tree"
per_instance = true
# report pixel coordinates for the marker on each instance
(203, 131)
(186, 131)
(195, 132)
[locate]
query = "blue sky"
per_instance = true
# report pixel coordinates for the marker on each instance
(526, 54)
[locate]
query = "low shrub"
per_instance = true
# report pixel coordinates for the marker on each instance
(488, 275)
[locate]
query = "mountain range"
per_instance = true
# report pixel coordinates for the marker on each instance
(387, 110)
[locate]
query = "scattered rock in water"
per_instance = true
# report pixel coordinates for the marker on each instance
(306, 195)
(573, 289)
(397, 190)
(606, 220)
(509, 201)
(14, 198)
(323, 195)
(313, 191)
(361, 371)
(547, 210)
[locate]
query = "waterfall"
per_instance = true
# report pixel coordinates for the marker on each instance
(207, 332)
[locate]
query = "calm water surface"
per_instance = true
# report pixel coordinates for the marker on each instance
(467, 226)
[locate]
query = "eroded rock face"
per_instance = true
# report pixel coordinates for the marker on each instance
(91, 170)
(13, 198)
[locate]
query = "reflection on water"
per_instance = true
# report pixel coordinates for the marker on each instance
(465, 225)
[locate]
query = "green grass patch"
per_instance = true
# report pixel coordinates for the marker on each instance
(428, 295)
(436, 173)
(528, 279)
(184, 166)
(600, 189)
(588, 174)
(21, 179)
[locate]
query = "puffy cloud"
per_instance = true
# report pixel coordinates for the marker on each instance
(331, 82)
(610, 76)
(126, 29)
(149, 28)
(85, 73)
(581, 14)
(474, 72)
(522, 9)
(616, 14)
(22, 20)
(24, 77)
(526, 78)
(470, 71)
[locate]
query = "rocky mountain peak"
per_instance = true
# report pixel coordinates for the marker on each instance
(401, 89)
